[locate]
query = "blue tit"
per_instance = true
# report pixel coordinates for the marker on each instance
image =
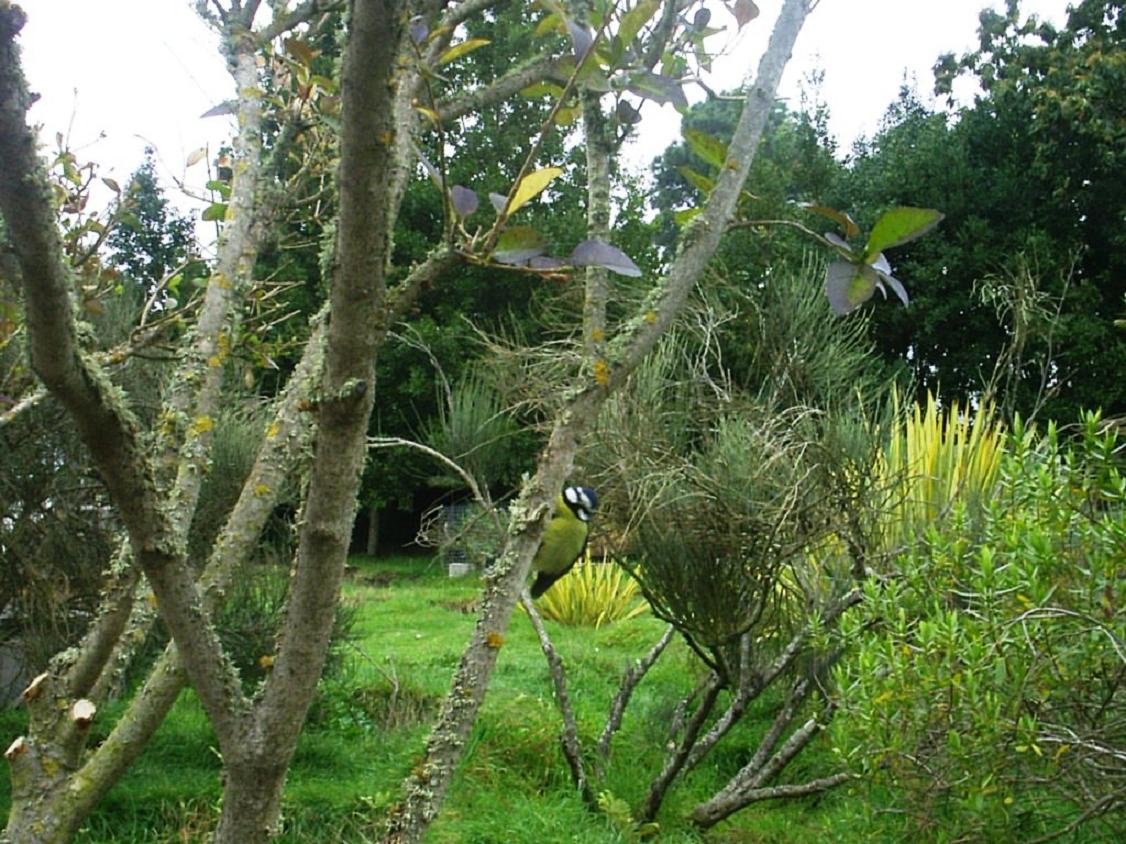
(564, 539)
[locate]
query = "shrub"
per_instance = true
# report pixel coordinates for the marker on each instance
(935, 458)
(986, 699)
(592, 594)
(249, 622)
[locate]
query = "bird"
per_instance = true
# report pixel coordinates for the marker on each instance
(564, 539)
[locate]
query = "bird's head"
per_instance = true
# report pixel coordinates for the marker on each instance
(582, 500)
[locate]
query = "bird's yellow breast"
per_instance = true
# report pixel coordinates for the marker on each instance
(563, 540)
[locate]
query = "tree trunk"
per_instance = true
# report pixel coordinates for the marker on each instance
(257, 753)
(252, 795)
(372, 545)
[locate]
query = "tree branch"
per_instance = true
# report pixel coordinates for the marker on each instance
(358, 325)
(28, 402)
(676, 760)
(280, 25)
(104, 422)
(630, 680)
(498, 90)
(780, 792)
(569, 738)
(286, 438)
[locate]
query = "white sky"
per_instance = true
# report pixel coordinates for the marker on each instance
(142, 71)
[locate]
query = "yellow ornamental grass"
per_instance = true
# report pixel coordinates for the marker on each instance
(592, 594)
(935, 458)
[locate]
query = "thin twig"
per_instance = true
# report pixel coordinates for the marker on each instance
(569, 738)
(633, 676)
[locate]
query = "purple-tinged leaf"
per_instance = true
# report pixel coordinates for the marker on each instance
(519, 244)
(546, 262)
(744, 11)
(840, 243)
(627, 114)
(498, 200)
(848, 285)
(418, 29)
(881, 265)
(660, 89)
(897, 286)
(464, 200)
(581, 37)
(221, 110)
(599, 253)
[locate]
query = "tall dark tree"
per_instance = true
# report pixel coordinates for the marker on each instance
(1027, 269)
(152, 238)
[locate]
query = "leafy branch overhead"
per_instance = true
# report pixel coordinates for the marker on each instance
(851, 280)
(856, 274)
(635, 50)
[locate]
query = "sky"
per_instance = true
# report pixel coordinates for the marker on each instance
(143, 71)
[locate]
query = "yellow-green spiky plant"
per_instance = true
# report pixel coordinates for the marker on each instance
(592, 594)
(935, 458)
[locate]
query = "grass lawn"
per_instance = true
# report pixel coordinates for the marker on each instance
(370, 718)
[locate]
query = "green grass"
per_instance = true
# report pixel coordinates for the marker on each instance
(368, 724)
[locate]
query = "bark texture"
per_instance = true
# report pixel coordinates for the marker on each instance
(256, 764)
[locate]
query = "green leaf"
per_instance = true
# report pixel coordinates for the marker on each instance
(686, 216)
(566, 116)
(847, 224)
(459, 50)
(636, 18)
(898, 226)
(532, 186)
(220, 187)
(542, 89)
(517, 244)
(548, 24)
(709, 149)
(698, 180)
(214, 212)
